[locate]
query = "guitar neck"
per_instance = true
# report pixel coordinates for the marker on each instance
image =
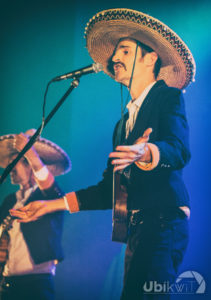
(6, 225)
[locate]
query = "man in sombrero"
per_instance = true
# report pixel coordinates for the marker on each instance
(29, 252)
(151, 148)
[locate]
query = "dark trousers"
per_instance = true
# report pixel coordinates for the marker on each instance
(28, 287)
(154, 251)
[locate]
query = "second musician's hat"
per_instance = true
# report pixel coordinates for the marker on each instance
(53, 156)
(106, 28)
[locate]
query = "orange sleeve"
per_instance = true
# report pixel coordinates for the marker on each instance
(47, 183)
(72, 202)
(155, 159)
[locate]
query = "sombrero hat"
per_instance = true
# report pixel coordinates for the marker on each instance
(107, 27)
(56, 159)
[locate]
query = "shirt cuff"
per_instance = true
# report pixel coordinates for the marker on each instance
(42, 174)
(44, 178)
(155, 159)
(72, 202)
(186, 211)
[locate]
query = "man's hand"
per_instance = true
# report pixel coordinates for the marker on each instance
(33, 211)
(31, 155)
(126, 155)
(20, 141)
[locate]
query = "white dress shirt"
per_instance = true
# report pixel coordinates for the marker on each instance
(134, 106)
(20, 261)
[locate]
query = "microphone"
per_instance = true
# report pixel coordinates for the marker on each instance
(94, 68)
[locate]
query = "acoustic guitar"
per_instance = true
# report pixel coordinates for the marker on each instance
(4, 241)
(120, 212)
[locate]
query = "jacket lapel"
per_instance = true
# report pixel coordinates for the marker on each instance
(144, 114)
(120, 130)
(6, 206)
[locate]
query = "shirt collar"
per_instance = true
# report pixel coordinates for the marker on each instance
(138, 102)
(27, 193)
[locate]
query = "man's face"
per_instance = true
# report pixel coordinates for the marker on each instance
(21, 173)
(123, 60)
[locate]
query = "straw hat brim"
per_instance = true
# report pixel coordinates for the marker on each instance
(106, 28)
(56, 159)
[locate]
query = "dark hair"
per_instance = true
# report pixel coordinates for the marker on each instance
(145, 49)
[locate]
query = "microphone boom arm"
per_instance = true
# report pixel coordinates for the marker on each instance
(32, 140)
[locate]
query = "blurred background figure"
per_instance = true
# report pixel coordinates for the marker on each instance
(29, 253)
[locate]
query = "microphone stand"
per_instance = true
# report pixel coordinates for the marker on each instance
(32, 140)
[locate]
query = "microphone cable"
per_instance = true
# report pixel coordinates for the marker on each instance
(124, 103)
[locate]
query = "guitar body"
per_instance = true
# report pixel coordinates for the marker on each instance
(120, 212)
(4, 242)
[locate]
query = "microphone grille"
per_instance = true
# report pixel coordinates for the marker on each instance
(97, 67)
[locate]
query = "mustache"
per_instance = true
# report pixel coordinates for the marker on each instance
(119, 63)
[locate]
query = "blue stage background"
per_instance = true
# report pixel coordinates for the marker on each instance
(42, 39)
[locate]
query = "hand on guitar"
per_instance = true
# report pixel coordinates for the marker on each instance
(126, 155)
(31, 155)
(20, 141)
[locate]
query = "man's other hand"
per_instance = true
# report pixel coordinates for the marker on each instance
(126, 155)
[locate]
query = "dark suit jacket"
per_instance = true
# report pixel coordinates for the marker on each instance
(43, 237)
(163, 110)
